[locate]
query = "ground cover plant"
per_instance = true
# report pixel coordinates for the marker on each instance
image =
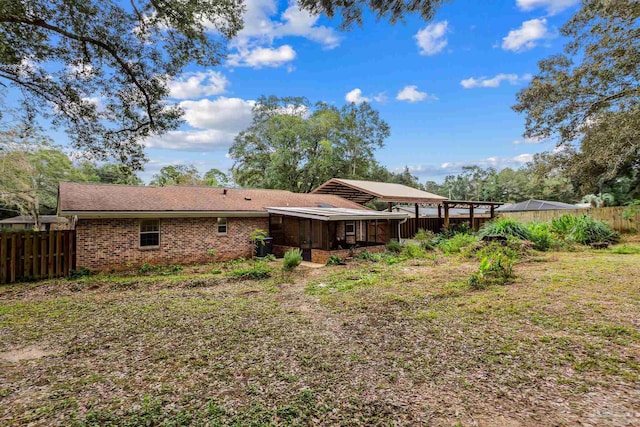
(366, 343)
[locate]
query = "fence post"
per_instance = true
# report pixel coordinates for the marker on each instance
(50, 264)
(14, 262)
(3, 257)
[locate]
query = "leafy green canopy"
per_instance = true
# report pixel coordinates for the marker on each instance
(589, 96)
(100, 68)
(296, 146)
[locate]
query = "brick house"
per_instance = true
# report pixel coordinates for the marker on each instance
(120, 226)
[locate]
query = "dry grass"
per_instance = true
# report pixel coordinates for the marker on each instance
(369, 343)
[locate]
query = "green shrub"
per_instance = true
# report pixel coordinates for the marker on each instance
(495, 269)
(335, 260)
(258, 270)
(587, 230)
(541, 236)
(412, 250)
(394, 246)
(505, 227)
(426, 238)
(292, 259)
(368, 256)
(563, 225)
(456, 243)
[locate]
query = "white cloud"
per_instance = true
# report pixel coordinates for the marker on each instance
(527, 36)
(530, 140)
(216, 124)
(198, 84)
(227, 114)
(495, 81)
(356, 97)
(552, 6)
(262, 57)
(432, 38)
(452, 168)
(412, 94)
(381, 98)
(263, 25)
(192, 140)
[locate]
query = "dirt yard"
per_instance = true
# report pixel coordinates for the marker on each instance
(363, 344)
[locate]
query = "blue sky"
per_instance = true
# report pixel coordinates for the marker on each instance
(444, 86)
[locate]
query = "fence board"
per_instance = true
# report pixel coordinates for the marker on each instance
(4, 256)
(36, 255)
(611, 215)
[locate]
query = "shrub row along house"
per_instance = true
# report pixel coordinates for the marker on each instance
(125, 226)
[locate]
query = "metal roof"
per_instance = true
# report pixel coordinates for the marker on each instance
(336, 214)
(366, 191)
(535, 205)
(25, 219)
(433, 212)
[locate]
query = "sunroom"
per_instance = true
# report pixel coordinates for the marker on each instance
(325, 231)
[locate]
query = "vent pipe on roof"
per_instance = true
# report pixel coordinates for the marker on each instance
(224, 192)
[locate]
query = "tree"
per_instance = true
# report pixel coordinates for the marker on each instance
(189, 175)
(30, 172)
(589, 97)
(177, 175)
(110, 173)
(100, 68)
(297, 146)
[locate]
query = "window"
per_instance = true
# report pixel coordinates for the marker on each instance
(350, 228)
(149, 233)
(222, 225)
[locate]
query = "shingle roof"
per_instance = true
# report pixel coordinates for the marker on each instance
(80, 197)
(535, 205)
(365, 191)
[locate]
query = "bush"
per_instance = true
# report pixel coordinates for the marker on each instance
(506, 227)
(541, 236)
(456, 243)
(292, 259)
(394, 246)
(368, 256)
(412, 250)
(587, 230)
(495, 269)
(583, 229)
(257, 271)
(335, 260)
(425, 238)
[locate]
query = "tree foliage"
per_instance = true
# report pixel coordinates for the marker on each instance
(188, 175)
(100, 68)
(296, 146)
(589, 98)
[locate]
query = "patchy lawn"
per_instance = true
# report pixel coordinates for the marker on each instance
(367, 343)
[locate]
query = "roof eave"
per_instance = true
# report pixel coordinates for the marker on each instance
(163, 214)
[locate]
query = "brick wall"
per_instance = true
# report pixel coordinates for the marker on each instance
(321, 257)
(104, 244)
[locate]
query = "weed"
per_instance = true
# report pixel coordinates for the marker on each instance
(335, 260)
(506, 227)
(411, 251)
(626, 250)
(394, 246)
(292, 259)
(259, 270)
(495, 268)
(455, 244)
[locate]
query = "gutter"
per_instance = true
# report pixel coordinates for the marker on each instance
(163, 214)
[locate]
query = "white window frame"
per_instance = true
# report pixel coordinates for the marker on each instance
(140, 233)
(346, 231)
(222, 222)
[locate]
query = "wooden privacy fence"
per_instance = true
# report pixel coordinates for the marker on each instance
(36, 255)
(611, 215)
(412, 225)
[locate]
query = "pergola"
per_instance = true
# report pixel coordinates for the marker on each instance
(364, 192)
(470, 204)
